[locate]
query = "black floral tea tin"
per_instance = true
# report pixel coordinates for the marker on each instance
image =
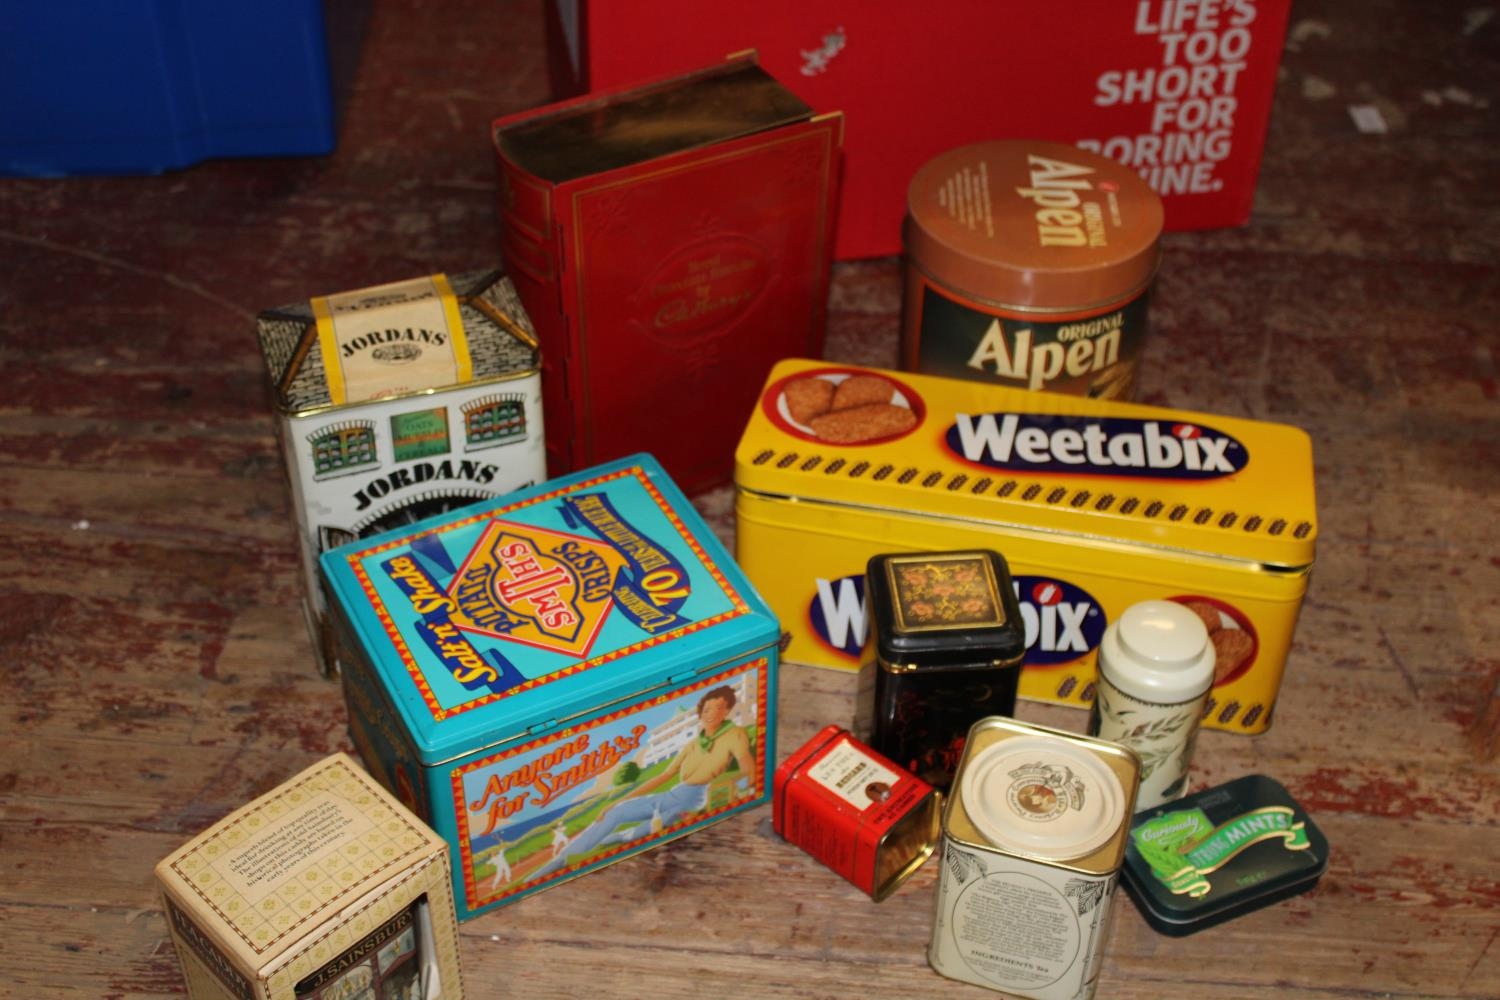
(945, 649)
(1221, 853)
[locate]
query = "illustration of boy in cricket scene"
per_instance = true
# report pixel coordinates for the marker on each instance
(681, 762)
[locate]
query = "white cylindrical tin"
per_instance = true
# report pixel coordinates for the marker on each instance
(1156, 666)
(1033, 840)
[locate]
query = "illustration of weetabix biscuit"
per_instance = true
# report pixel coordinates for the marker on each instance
(861, 390)
(1209, 614)
(808, 397)
(1231, 649)
(863, 423)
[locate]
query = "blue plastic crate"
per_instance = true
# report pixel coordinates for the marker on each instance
(151, 85)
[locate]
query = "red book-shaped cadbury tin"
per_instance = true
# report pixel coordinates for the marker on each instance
(671, 241)
(856, 811)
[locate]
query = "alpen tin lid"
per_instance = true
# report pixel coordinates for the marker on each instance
(944, 609)
(1221, 853)
(1031, 224)
(1043, 794)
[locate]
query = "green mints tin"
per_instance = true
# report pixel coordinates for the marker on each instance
(1221, 853)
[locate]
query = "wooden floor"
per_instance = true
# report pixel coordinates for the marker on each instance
(156, 674)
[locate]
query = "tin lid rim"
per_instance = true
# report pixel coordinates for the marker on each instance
(1122, 538)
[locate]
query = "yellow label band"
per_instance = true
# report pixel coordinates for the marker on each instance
(460, 343)
(392, 340)
(332, 370)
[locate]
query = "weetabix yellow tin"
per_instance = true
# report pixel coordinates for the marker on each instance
(1096, 504)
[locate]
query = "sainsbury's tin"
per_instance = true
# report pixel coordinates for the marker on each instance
(398, 402)
(557, 679)
(1033, 839)
(1096, 504)
(856, 811)
(324, 888)
(946, 641)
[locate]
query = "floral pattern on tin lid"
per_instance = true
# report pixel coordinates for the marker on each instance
(949, 591)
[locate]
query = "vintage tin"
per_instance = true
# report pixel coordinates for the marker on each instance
(945, 648)
(325, 887)
(398, 402)
(557, 679)
(1028, 265)
(1096, 504)
(856, 811)
(1220, 853)
(1033, 838)
(1156, 667)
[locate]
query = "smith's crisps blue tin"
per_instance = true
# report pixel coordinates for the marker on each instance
(558, 679)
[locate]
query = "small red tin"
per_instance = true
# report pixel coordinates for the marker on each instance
(856, 811)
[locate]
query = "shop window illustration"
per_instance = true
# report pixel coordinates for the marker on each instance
(389, 964)
(494, 420)
(419, 434)
(344, 447)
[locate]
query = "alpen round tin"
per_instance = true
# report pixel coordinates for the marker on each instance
(1028, 264)
(1033, 839)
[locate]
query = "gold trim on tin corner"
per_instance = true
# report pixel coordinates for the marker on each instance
(825, 116)
(501, 320)
(294, 365)
(927, 823)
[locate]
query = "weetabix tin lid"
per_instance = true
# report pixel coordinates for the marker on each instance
(1220, 853)
(510, 617)
(1030, 224)
(1094, 471)
(1043, 794)
(397, 339)
(944, 609)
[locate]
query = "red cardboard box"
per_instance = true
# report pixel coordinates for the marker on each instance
(1179, 89)
(670, 241)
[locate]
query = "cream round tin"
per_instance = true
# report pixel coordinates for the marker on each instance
(1033, 839)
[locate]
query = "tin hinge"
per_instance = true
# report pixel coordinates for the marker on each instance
(542, 727)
